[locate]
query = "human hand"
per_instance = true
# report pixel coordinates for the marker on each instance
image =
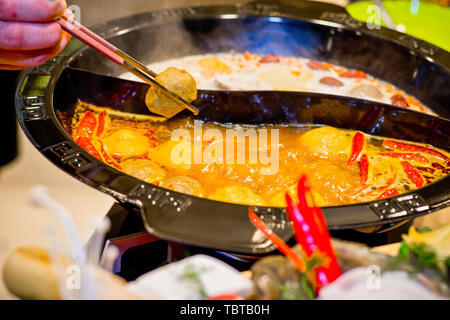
(28, 35)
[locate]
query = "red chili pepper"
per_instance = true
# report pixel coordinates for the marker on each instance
(101, 123)
(298, 262)
(269, 58)
(230, 296)
(317, 218)
(307, 237)
(309, 214)
(437, 166)
(363, 169)
(405, 156)
(86, 127)
(414, 148)
(441, 167)
(87, 145)
(412, 173)
(309, 222)
(357, 146)
(426, 169)
(388, 193)
(311, 233)
(353, 74)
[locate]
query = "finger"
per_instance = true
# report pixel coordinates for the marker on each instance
(29, 36)
(27, 59)
(31, 10)
(65, 39)
(69, 14)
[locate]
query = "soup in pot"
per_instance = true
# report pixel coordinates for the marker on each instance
(256, 164)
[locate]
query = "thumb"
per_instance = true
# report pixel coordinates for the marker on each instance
(31, 10)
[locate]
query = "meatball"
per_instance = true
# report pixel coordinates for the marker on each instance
(185, 185)
(144, 169)
(126, 143)
(179, 82)
(326, 142)
(236, 194)
(173, 154)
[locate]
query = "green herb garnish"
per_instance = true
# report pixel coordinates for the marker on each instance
(191, 275)
(419, 255)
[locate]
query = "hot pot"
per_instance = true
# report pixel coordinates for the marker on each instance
(313, 30)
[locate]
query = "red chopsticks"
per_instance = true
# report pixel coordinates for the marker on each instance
(118, 56)
(90, 38)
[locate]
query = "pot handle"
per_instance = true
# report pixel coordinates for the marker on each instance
(206, 223)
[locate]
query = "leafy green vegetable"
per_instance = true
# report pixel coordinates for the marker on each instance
(419, 254)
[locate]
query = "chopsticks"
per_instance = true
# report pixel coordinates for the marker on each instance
(119, 57)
